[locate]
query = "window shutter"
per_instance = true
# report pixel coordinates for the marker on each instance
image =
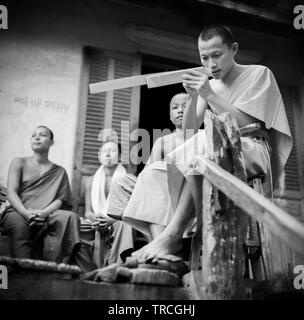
(95, 114)
(122, 104)
(108, 109)
(292, 175)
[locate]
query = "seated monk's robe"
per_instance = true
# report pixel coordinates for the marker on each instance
(59, 237)
(103, 247)
(144, 200)
(150, 201)
(256, 93)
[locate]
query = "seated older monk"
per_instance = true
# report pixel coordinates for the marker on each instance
(38, 220)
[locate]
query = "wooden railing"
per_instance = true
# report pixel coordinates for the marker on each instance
(228, 226)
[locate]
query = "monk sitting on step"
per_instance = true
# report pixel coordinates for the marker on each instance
(38, 220)
(145, 205)
(103, 240)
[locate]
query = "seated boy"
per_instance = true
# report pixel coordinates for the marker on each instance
(104, 240)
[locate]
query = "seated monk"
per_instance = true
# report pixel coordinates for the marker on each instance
(148, 209)
(38, 220)
(103, 240)
(250, 93)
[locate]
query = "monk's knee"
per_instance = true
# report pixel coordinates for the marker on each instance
(18, 228)
(64, 217)
(19, 233)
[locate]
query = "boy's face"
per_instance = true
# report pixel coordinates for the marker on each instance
(217, 56)
(177, 106)
(108, 154)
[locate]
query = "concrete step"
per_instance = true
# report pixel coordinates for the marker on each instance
(37, 285)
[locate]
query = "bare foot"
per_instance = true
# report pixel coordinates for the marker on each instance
(160, 247)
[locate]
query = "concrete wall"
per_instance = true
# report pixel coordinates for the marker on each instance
(41, 64)
(39, 86)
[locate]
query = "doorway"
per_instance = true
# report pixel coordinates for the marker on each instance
(154, 103)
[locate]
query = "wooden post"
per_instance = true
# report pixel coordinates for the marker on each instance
(224, 225)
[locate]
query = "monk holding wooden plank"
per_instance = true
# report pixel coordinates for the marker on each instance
(250, 93)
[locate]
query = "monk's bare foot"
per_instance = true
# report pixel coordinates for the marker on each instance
(160, 247)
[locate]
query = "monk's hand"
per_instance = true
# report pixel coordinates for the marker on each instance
(198, 81)
(37, 217)
(90, 216)
(190, 90)
(43, 214)
(33, 214)
(104, 221)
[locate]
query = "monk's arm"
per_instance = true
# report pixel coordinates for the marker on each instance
(156, 152)
(13, 184)
(55, 205)
(219, 105)
(196, 81)
(87, 197)
(193, 114)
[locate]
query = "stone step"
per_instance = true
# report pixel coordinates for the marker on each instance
(37, 285)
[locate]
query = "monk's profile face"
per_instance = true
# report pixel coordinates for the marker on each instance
(41, 140)
(109, 154)
(177, 106)
(217, 56)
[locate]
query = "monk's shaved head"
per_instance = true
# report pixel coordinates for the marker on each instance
(49, 130)
(220, 30)
(177, 96)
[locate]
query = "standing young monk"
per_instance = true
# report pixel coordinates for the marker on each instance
(250, 93)
(38, 191)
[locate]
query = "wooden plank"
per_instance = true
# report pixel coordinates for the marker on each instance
(116, 84)
(152, 80)
(276, 220)
(172, 77)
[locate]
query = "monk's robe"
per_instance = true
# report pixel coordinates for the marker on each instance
(256, 93)
(58, 238)
(145, 200)
(103, 247)
(150, 201)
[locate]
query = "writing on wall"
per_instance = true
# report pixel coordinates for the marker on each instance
(39, 103)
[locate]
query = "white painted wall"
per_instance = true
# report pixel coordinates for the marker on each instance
(38, 86)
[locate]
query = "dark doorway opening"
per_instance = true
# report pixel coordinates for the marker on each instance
(154, 103)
